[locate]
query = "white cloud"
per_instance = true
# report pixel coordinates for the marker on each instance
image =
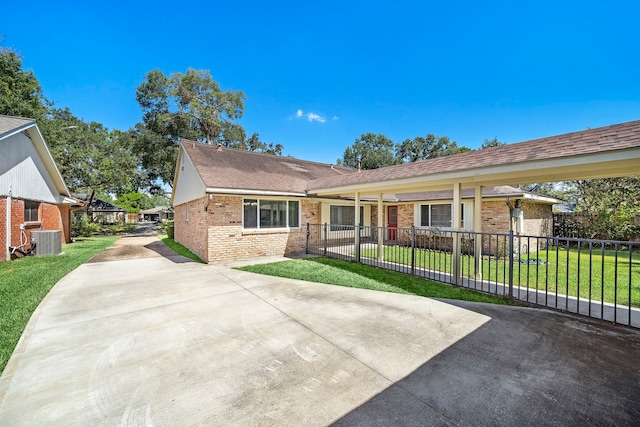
(335, 118)
(313, 116)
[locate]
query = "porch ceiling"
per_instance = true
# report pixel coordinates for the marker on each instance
(607, 152)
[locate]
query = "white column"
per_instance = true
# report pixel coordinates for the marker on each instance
(477, 228)
(357, 208)
(380, 227)
(456, 217)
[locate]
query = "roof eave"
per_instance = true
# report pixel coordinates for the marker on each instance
(249, 192)
(599, 165)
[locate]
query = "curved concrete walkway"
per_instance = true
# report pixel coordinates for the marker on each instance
(141, 336)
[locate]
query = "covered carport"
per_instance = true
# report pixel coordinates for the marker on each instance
(605, 152)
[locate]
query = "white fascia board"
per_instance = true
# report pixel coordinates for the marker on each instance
(17, 130)
(562, 169)
(246, 192)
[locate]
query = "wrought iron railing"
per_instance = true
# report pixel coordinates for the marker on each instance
(596, 278)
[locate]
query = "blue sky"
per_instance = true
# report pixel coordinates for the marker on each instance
(319, 74)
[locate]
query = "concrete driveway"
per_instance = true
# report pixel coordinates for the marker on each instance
(141, 336)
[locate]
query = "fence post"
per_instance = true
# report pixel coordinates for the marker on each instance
(511, 247)
(413, 250)
(357, 241)
(324, 238)
(306, 246)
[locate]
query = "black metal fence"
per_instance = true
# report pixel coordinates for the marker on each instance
(596, 278)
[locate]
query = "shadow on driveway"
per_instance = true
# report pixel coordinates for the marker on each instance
(523, 367)
(163, 250)
(133, 247)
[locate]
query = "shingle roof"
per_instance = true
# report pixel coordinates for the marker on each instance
(246, 170)
(99, 205)
(599, 140)
(9, 124)
(156, 210)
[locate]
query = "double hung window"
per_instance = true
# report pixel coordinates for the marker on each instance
(265, 213)
(344, 217)
(439, 215)
(31, 211)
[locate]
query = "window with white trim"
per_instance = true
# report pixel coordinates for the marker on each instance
(265, 213)
(439, 215)
(31, 209)
(344, 217)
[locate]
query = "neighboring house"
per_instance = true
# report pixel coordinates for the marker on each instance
(158, 214)
(102, 211)
(237, 204)
(33, 194)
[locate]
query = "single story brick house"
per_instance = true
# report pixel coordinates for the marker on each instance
(232, 204)
(33, 194)
(158, 214)
(102, 211)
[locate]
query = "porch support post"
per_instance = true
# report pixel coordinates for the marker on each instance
(356, 228)
(477, 228)
(380, 227)
(456, 238)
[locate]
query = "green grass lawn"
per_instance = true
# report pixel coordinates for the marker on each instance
(26, 281)
(571, 272)
(179, 249)
(351, 274)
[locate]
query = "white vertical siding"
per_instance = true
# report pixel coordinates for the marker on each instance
(23, 172)
(189, 185)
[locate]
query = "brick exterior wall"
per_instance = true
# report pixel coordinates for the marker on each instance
(538, 219)
(405, 215)
(191, 231)
(495, 217)
(50, 217)
(214, 230)
(3, 228)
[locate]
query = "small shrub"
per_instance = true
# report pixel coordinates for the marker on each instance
(81, 226)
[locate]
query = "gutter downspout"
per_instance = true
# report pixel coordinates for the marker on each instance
(8, 229)
(510, 214)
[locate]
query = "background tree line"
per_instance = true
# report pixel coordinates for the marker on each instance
(137, 165)
(372, 151)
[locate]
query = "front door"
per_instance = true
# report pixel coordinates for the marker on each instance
(392, 222)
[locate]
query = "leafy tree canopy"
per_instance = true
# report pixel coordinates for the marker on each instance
(613, 206)
(190, 106)
(373, 150)
(134, 201)
(488, 143)
(90, 157)
(20, 91)
(429, 147)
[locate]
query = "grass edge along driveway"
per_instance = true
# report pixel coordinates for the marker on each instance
(26, 281)
(350, 274)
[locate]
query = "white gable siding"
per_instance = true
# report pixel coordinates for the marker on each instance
(188, 185)
(23, 173)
